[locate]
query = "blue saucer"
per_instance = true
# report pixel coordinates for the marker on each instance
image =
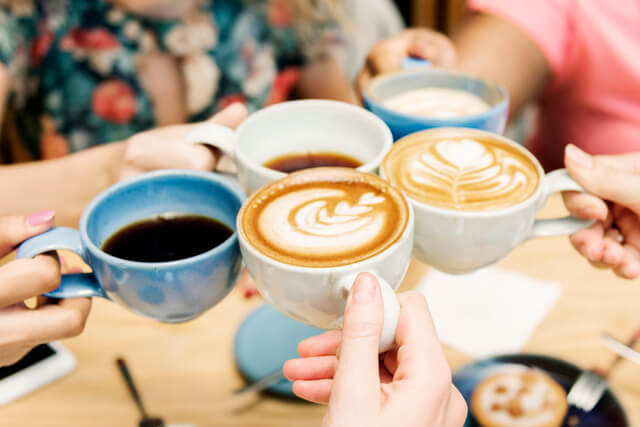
(608, 412)
(265, 340)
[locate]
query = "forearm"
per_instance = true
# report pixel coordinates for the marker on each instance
(497, 50)
(65, 185)
(324, 78)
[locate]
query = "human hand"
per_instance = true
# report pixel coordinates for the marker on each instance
(22, 328)
(408, 386)
(387, 55)
(614, 240)
(166, 148)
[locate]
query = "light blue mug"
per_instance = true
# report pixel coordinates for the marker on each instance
(171, 292)
(417, 75)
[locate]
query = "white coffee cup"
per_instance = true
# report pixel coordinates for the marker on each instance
(297, 127)
(458, 242)
(317, 296)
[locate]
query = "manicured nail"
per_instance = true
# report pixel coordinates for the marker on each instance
(41, 218)
(579, 157)
(249, 293)
(364, 291)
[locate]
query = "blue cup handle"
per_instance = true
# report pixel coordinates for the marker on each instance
(411, 62)
(83, 285)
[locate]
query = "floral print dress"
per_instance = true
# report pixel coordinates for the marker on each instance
(73, 72)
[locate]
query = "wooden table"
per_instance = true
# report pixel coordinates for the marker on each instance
(186, 372)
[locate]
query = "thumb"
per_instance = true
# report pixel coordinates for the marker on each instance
(608, 177)
(231, 116)
(356, 381)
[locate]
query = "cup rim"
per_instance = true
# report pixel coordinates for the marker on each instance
(110, 259)
(406, 234)
(378, 80)
(370, 166)
(532, 199)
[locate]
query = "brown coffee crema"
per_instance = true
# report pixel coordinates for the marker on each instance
(324, 217)
(461, 169)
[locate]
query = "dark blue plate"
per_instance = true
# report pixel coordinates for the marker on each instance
(265, 340)
(608, 412)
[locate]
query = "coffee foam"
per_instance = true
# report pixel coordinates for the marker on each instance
(437, 102)
(324, 217)
(461, 170)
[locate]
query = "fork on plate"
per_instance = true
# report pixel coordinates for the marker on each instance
(588, 389)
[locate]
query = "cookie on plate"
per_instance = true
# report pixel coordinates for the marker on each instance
(521, 397)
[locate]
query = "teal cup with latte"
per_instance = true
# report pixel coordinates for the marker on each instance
(425, 98)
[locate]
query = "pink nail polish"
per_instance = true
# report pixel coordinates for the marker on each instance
(41, 218)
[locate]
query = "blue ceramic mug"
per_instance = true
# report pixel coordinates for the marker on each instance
(418, 75)
(174, 291)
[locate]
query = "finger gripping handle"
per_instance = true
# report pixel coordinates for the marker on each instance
(71, 285)
(555, 182)
(391, 309)
(214, 135)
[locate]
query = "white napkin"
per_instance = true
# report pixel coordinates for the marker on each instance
(489, 311)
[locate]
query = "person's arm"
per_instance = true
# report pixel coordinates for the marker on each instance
(65, 185)
(324, 78)
(498, 50)
(486, 46)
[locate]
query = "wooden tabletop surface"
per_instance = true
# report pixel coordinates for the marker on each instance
(186, 372)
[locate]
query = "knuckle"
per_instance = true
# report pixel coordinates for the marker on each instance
(361, 329)
(74, 322)
(134, 148)
(47, 273)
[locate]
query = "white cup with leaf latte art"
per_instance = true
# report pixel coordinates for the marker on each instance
(305, 237)
(475, 196)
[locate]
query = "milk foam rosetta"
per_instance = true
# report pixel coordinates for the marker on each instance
(324, 220)
(456, 171)
(437, 102)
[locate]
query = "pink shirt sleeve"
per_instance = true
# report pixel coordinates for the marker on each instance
(548, 23)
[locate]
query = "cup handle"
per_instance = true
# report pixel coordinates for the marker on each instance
(83, 285)
(214, 135)
(391, 308)
(411, 62)
(555, 182)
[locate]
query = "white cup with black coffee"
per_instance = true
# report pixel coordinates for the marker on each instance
(475, 196)
(304, 239)
(297, 135)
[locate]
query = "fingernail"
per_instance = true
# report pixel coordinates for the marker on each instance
(364, 291)
(249, 293)
(579, 157)
(41, 218)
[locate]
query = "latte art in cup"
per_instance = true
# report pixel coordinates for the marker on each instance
(437, 102)
(324, 217)
(453, 169)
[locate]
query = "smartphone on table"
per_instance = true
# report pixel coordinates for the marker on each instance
(41, 366)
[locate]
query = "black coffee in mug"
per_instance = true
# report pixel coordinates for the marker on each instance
(168, 237)
(294, 162)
